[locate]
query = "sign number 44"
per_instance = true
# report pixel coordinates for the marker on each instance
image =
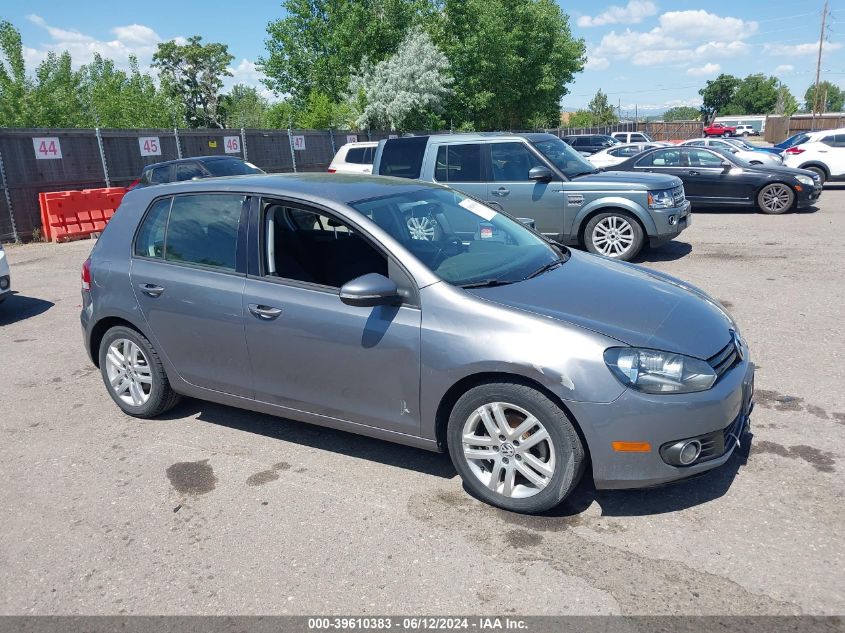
(47, 147)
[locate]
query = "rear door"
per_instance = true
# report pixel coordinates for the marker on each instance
(189, 282)
(463, 166)
(832, 152)
(512, 190)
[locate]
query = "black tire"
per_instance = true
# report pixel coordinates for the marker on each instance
(726, 135)
(817, 170)
(636, 230)
(568, 449)
(787, 197)
(161, 395)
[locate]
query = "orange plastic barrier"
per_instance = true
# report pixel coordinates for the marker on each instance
(73, 215)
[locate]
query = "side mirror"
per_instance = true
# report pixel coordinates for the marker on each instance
(540, 174)
(726, 165)
(369, 290)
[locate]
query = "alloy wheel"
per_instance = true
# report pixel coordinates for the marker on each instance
(128, 371)
(776, 198)
(422, 228)
(613, 236)
(508, 449)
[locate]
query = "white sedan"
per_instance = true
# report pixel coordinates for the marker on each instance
(738, 148)
(611, 156)
(5, 279)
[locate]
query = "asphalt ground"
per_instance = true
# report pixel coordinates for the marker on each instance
(213, 510)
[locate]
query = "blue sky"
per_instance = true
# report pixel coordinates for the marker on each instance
(646, 53)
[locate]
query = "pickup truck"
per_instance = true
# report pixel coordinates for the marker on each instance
(717, 129)
(540, 178)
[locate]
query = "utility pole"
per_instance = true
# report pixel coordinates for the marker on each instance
(819, 65)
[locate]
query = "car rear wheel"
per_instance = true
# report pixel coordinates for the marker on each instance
(725, 135)
(134, 375)
(614, 234)
(514, 448)
(775, 198)
(822, 174)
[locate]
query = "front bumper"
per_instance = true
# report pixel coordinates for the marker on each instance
(663, 419)
(670, 222)
(807, 197)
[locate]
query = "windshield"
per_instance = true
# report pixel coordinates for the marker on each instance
(231, 167)
(564, 157)
(792, 141)
(741, 144)
(461, 240)
(732, 158)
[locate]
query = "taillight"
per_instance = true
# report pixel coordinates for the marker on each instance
(133, 185)
(794, 151)
(332, 170)
(86, 274)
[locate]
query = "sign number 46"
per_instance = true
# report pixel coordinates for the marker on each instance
(47, 147)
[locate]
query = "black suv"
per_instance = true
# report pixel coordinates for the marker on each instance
(590, 143)
(191, 168)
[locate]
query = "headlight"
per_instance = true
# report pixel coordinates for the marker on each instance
(805, 180)
(661, 199)
(653, 371)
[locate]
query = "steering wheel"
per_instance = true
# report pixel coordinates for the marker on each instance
(448, 247)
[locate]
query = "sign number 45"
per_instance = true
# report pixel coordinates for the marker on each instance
(47, 147)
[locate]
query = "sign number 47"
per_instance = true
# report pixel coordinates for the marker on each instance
(47, 147)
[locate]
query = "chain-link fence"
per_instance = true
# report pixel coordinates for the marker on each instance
(36, 160)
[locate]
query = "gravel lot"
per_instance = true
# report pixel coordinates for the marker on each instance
(214, 510)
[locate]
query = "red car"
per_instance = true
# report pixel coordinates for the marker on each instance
(717, 129)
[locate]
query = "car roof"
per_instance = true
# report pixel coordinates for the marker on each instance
(361, 144)
(191, 159)
(486, 136)
(314, 186)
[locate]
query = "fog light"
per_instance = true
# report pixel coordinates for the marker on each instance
(672, 219)
(4, 283)
(689, 452)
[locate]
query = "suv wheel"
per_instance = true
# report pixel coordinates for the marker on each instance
(817, 170)
(514, 448)
(614, 234)
(134, 375)
(775, 198)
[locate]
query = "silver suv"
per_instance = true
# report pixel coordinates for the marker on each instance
(307, 297)
(538, 176)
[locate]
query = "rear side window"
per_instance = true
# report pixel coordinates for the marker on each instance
(203, 229)
(150, 239)
(360, 155)
(231, 167)
(837, 140)
(159, 175)
(403, 157)
(186, 171)
(638, 137)
(458, 163)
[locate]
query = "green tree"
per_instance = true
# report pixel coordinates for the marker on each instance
(581, 118)
(320, 112)
(404, 90)
(511, 59)
(787, 104)
(193, 73)
(280, 115)
(682, 113)
(717, 94)
(832, 98)
(56, 99)
(14, 85)
(244, 106)
(602, 112)
(314, 48)
(756, 94)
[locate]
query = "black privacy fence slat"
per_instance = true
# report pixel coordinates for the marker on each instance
(35, 160)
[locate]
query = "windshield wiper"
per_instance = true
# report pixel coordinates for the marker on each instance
(486, 283)
(545, 267)
(584, 173)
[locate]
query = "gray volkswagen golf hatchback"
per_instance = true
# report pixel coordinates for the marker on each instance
(308, 297)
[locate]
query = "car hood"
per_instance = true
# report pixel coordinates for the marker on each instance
(652, 182)
(780, 169)
(634, 305)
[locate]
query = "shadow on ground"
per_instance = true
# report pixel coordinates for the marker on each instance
(19, 307)
(668, 252)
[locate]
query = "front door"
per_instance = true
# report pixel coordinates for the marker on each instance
(310, 351)
(512, 190)
(186, 280)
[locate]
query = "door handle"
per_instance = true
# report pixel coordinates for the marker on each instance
(151, 290)
(501, 191)
(692, 172)
(267, 313)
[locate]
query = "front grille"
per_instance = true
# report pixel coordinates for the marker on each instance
(724, 359)
(678, 195)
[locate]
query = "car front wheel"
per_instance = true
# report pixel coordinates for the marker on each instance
(134, 375)
(614, 234)
(514, 448)
(818, 171)
(775, 198)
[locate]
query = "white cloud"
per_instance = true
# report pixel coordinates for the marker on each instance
(632, 13)
(784, 68)
(247, 73)
(680, 37)
(596, 63)
(702, 71)
(788, 50)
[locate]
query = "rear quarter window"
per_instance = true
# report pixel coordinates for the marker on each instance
(403, 157)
